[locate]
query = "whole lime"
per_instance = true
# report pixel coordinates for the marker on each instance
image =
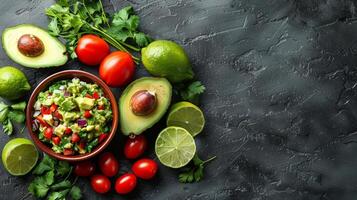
(13, 83)
(167, 59)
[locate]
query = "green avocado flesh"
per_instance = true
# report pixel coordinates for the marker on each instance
(53, 55)
(133, 124)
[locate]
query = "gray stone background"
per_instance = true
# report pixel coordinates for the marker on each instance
(280, 101)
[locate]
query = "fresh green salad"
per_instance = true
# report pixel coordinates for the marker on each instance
(72, 116)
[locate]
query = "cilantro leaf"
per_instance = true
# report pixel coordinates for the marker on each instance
(38, 187)
(4, 110)
(61, 185)
(192, 92)
(61, 195)
(49, 177)
(75, 193)
(63, 168)
(45, 165)
(7, 127)
(19, 106)
(17, 116)
(141, 39)
(195, 172)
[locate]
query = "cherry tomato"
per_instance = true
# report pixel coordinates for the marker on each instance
(125, 183)
(96, 95)
(108, 164)
(85, 168)
(117, 69)
(53, 107)
(145, 168)
(56, 140)
(91, 49)
(48, 133)
(135, 147)
(68, 152)
(102, 137)
(68, 131)
(45, 110)
(87, 114)
(100, 183)
(75, 138)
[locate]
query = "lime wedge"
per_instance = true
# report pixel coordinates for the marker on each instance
(19, 156)
(188, 116)
(175, 147)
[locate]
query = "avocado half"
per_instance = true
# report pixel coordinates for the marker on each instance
(54, 54)
(133, 124)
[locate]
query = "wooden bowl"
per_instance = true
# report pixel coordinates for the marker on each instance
(64, 75)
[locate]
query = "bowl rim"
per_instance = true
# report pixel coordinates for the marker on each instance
(44, 84)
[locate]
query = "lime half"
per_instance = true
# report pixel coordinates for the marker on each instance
(188, 116)
(175, 147)
(19, 156)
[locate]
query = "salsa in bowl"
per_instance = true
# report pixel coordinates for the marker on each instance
(72, 115)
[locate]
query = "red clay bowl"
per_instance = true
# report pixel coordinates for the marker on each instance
(63, 75)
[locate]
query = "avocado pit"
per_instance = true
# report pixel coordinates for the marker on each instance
(30, 45)
(143, 102)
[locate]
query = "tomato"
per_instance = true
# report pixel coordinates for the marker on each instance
(56, 140)
(48, 133)
(101, 107)
(91, 49)
(57, 115)
(45, 110)
(75, 138)
(88, 96)
(68, 131)
(102, 137)
(108, 164)
(53, 107)
(125, 183)
(68, 152)
(96, 95)
(135, 147)
(87, 114)
(42, 121)
(117, 69)
(145, 168)
(100, 184)
(85, 168)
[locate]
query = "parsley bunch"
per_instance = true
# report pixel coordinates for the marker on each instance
(9, 114)
(195, 172)
(70, 19)
(51, 180)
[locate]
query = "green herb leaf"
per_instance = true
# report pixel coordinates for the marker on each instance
(192, 92)
(141, 39)
(49, 177)
(75, 193)
(61, 195)
(45, 165)
(17, 116)
(61, 185)
(4, 110)
(194, 173)
(19, 106)
(7, 127)
(63, 168)
(38, 187)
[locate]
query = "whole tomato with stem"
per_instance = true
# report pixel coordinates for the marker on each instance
(84, 168)
(91, 49)
(135, 146)
(117, 69)
(100, 183)
(145, 168)
(108, 164)
(125, 183)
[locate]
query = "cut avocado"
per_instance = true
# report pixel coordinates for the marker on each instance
(134, 124)
(54, 53)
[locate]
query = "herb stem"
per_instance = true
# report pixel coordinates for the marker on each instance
(209, 160)
(69, 173)
(105, 19)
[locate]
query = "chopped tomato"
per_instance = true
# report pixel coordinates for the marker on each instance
(68, 152)
(68, 131)
(56, 140)
(42, 122)
(53, 107)
(101, 107)
(102, 137)
(75, 138)
(48, 133)
(57, 115)
(82, 144)
(88, 96)
(87, 114)
(45, 110)
(96, 95)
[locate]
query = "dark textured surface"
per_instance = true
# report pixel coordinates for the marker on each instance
(280, 102)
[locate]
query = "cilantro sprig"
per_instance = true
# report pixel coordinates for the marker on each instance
(192, 92)
(195, 172)
(10, 114)
(52, 180)
(70, 19)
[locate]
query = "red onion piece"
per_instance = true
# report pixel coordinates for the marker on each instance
(82, 122)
